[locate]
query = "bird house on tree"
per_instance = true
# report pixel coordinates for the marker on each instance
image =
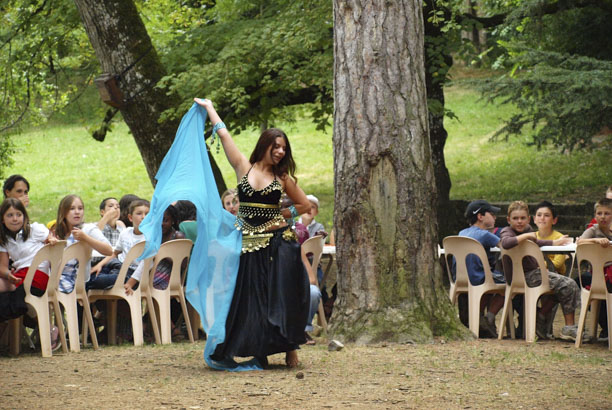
(108, 87)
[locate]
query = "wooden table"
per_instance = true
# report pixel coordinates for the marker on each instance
(329, 252)
(564, 249)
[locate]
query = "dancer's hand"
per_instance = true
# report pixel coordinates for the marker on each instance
(206, 103)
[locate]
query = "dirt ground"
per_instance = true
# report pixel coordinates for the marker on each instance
(474, 374)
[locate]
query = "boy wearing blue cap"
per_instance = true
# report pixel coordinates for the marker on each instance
(481, 216)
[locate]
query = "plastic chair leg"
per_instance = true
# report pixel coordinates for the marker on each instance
(44, 332)
(15, 335)
(531, 311)
(609, 309)
(183, 303)
(153, 318)
(194, 319)
(505, 317)
(89, 324)
(507, 324)
(73, 327)
(111, 321)
(165, 327)
(594, 317)
(474, 315)
(136, 315)
(585, 296)
(321, 316)
(59, 321)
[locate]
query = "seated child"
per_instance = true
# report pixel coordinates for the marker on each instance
(299, 228)
(609, 196)
(124, 208)
(71, 227)
(565, 290)
(481, 216)
(545, 217)
(230, 201)
(19, 241)
(186, 219)
(314, 228)
(161, 277)
(600, 233)
(109, 224)
(308, 219)
(108, 269)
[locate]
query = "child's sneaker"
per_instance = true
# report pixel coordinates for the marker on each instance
(570, 332)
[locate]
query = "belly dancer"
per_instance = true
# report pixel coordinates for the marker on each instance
(270, 304)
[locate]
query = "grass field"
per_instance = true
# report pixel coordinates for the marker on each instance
(64, 159)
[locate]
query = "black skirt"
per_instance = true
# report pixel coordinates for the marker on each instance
(270, 305)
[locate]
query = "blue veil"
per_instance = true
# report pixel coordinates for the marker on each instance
(186, 174)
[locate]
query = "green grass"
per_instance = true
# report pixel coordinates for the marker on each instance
(507, 171)
(64, 159)
(60, 160)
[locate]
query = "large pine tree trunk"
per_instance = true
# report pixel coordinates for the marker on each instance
(120, 39)
(389, 280)
(437, 62)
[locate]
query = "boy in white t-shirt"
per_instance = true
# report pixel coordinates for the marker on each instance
(108, 269)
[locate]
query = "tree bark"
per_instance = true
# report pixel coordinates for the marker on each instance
(438, 62)
(389, 281)
(123, 47)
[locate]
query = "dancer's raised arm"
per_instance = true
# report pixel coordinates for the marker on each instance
(236, 158)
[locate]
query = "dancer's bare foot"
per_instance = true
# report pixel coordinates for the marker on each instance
(291, 359)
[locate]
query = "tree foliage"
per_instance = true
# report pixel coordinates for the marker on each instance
(558, 58)
(45, 58)
(257, 60)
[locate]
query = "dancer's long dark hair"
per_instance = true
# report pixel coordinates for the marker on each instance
(267, 138)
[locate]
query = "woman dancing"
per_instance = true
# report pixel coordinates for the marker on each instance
(269, 308)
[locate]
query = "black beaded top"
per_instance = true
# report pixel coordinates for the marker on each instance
(259, 209)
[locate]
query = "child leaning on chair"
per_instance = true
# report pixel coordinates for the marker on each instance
(566, 292)
(162, 273)
(70, 226)
(600, 233)
(107, 270)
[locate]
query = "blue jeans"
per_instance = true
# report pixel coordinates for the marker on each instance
(315, 296)
(107, 276)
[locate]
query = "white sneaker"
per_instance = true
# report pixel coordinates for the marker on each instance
(570, 333)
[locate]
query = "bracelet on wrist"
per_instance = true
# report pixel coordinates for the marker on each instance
(294, 212)
(218, 126)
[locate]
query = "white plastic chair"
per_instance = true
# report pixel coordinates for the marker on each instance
(314, 245)
(82, 253)
(178, 251)
(597, 256)
(461, 247)
(53, 254)
(117, 292)
(516, 284)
